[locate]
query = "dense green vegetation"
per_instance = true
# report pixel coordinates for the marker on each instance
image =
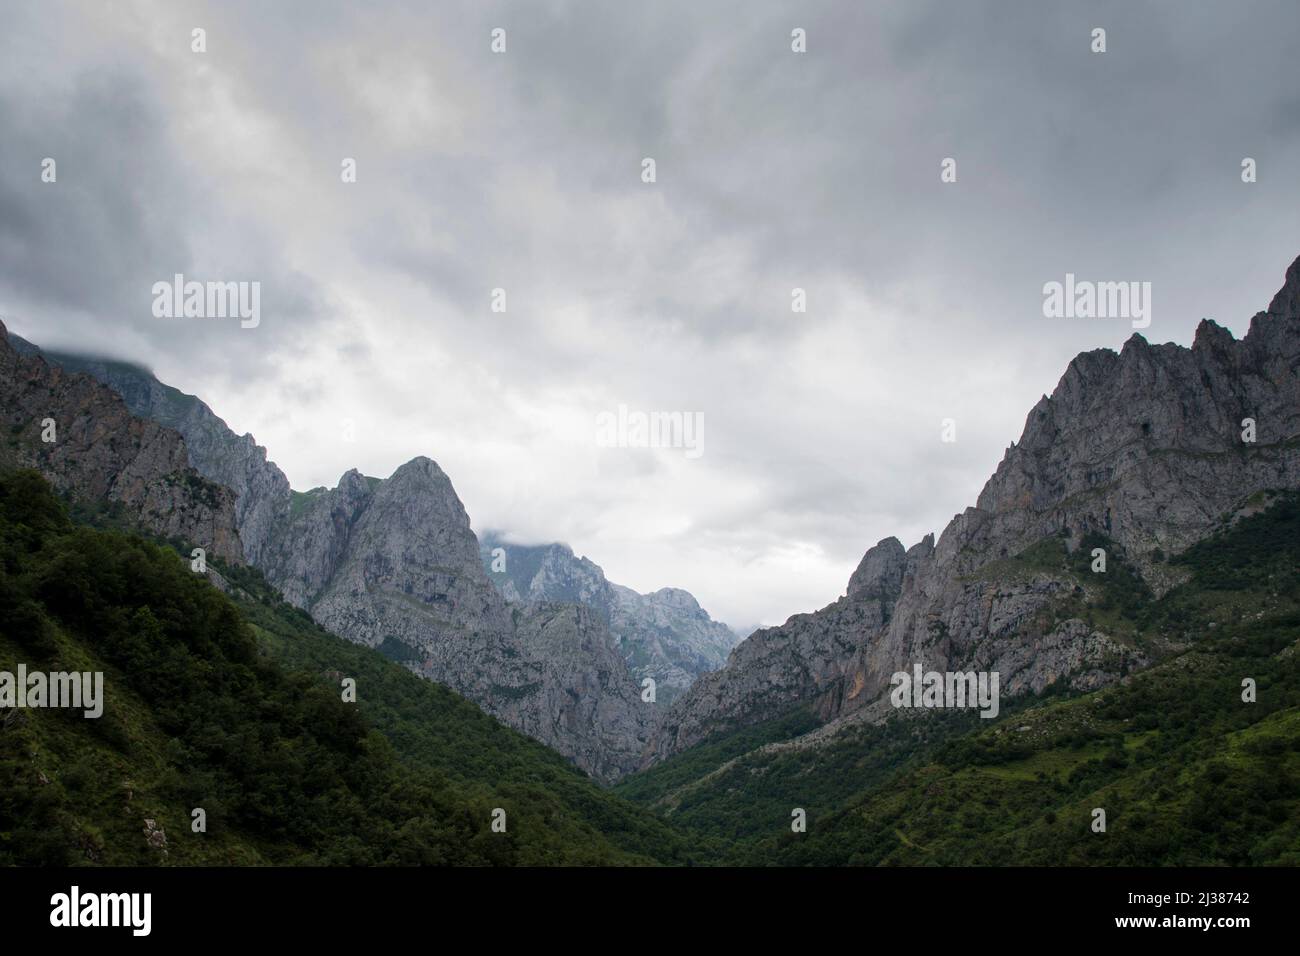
(1187, 772)
(432, 727)
(744, 784)
(237, 709)
(232, 702)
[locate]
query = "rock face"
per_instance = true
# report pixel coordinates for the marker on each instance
(104, 454)
(393, 564)
(261, 489)
(1145, 447)
(664, 635)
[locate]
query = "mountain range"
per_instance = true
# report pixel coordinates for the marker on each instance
(664, 636)
(1140, 454)
(394, 564)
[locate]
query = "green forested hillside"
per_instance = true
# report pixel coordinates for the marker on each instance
(432, 727)
(233, 704)
(1187, 772)
(237, 709)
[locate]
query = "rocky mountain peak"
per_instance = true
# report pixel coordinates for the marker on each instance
(353, 483)
(423, 466)
(1287, 301)
(1212, 337)
(664, 635)
(879, 575)
(416, 474)
(393, 563)
(675, 598)
(103, 454)
(1145, 449)
(918, 556)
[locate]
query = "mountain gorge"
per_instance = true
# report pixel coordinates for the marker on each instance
(1121, 687)
(388, 563)
(1141, 454)
(664, 636)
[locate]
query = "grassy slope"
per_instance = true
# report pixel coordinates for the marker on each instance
(1187, 772)
(236, 708)
(432, 727)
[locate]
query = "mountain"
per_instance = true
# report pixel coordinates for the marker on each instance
(390, 564)
(1141, 453)
(664, 635)
(262, 497)
(1163, 688)
(393, 564)
(1188, 773)
(232, 704)
(101, 453)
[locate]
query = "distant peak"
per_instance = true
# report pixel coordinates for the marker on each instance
(420, 465)
(675, 597)
(353, 479)
(1210, 335)
(1136, 341)
(1287, 301)
(880, 573)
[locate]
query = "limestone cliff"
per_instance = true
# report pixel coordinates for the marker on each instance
(1148, 448)
(388, 563)
(102, 454)
(394, 564)
(664, 635)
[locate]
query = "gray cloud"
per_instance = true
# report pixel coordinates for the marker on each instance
(521, 171)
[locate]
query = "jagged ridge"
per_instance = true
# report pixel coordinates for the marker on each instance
(1144, 447)
(101, 453)
(664, 635)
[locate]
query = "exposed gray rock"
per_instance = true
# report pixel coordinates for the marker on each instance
(104, 454)
(1144, 446)
(261, 489)
(880, 574)
(664, 635)
(394, 564)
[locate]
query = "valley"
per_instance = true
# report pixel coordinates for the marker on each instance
(1121, 608)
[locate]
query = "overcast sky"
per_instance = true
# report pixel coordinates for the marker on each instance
(523, 170)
